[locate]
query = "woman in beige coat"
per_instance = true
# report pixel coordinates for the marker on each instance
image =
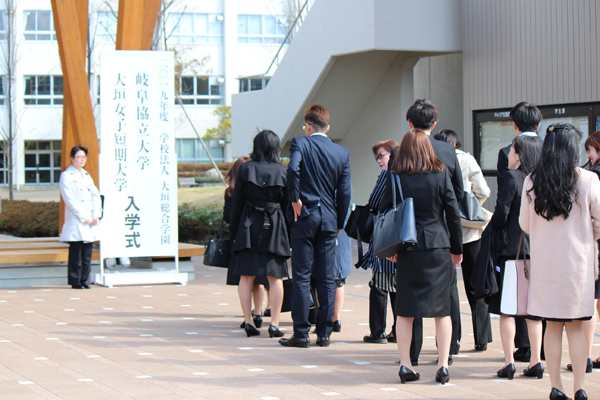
(560, 209)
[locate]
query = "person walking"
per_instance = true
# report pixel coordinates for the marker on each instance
(560, 209)
(319, 189)
(258, 227)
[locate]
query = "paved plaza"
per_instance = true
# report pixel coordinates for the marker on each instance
(184, 342)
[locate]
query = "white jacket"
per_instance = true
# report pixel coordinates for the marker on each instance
(475, 183)
(82, 201)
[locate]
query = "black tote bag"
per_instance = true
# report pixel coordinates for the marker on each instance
(218, 250)
(395, 230)
(360, 224)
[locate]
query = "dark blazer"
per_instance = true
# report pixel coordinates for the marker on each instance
(502, 165)
(319, 175)
(257, 209)
(506, 214)
(227, 208)
(445, 152)
(436, 211)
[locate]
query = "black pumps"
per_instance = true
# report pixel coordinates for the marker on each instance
(274, 332)
(251, 331)
(537, 370)
(337, 326)
(406, 374)
(588, 367)
(258, 320)
(442, 376)
(556, 394)
(507, 372)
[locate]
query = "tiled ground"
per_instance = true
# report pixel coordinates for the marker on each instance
(179, 342)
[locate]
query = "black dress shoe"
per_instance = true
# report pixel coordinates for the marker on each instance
(581, 395)
(442, 376)
(588, 368)
(274, 331)
(258, 321)
(295, 342)
(507, 372)
(382, 339)
(523, 354)
(323, 341)
(391, 337)
(480, 347)
(77, 286)
(537, 370)
(267, 312)
(556, 394)
(86, 286)
(596, 363)
(409, 375)
(337, 326)
(243, 324)
(454, 349)
(251, 331)
(414, 363)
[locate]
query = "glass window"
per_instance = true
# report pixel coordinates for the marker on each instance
(251, 84)
(194, 28)
(3, 26)
(262, 29)
(39, 25)
(192, 151)
(43, 90)
(106, 27)
(2, 89)
(200, 90)
(42, 161)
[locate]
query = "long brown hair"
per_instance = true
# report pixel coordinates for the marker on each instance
(416, 156)
(593, 141)
(233, 173)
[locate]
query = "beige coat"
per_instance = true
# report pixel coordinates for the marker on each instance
(561, 283)
(473, 182)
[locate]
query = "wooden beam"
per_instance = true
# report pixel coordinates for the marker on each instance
(151, 11)
(129, 24)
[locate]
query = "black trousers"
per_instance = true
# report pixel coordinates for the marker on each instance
(80, 263)
(378, 310)
(482, 326)
(311, 246)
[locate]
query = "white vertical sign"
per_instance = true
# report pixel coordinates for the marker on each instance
(138, 165)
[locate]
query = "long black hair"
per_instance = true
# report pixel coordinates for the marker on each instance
(528, 148)
(266, 147)
(555, 175)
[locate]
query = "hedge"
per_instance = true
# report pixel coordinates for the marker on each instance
(196, 225)
(24, 218)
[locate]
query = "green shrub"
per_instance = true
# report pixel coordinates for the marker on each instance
(196, 225)
(23, 218)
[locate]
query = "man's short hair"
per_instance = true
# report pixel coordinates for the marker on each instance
(526, 116)
(422, 114)
(318, 116)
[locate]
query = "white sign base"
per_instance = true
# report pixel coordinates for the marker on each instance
(110, 279)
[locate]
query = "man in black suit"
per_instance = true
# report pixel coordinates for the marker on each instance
(318, 181)
(526, 121)
(423, 115)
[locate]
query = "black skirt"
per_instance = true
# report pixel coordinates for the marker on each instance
(423, 281)
(250, 263)
(597, 292)
(233, 279)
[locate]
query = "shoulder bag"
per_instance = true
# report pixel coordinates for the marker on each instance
(515, 285)
(360, 224)
(395, 230)
(471, 212)
(218, 250)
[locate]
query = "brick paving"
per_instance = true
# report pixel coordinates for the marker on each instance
(183, 342)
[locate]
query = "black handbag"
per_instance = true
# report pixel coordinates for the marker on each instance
(288, 289)
(360, 224)
(471, 210)
(395, 230)
(218, 250)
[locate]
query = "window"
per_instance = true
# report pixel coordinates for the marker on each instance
(253, 83)
(3, 165)
(3, 25)
(192, 151)
(262, 29)
(106, 27)
(3, 89)
(39, 25)
(43, 90)
(200, 90)
(195, 28)
(42, 162)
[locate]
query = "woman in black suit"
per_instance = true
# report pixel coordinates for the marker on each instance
(522, 157)
(424, 272)
(259, 228)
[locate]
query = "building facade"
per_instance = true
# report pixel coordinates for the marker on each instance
(221, 47)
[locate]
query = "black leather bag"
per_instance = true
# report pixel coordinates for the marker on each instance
(218, 250)
(395, 230)
(471, 212)
(360, 224)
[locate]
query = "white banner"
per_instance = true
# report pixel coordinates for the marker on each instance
(138, 165)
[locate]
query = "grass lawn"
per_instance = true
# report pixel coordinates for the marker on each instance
(202, 196)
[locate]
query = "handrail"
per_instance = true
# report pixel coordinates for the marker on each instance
(286, 37)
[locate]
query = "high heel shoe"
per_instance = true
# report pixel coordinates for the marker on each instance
(581, 395)
(406, 374)
(588, 368)
(258, 321)
(274, 331)
(251, 331)
(507, 372)
(337, 326)
(442, 376)
(556, 394)
(537, 370)
(267, 312)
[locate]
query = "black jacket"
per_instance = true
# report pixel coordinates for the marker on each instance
(436, 211)
(319, 175)
(506, 215)
(502, 166)
(257, 209)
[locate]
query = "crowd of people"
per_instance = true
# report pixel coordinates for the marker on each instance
(547, 212)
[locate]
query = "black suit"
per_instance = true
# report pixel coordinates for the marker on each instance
(319, 175)
(446, 153)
